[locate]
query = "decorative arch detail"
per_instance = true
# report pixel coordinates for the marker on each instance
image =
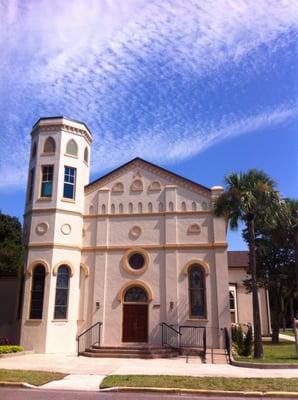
(199, 262)
(86, 269)
(67, 263)
(140, 283)
(49, 145)
(155, 186)
(118, 187)
(194, 229)
(136, 186)
(72, 147)
(35, 263)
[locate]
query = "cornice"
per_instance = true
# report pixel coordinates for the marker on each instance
(166, 246)
(63, 127)
(168, 175)
(148, 214)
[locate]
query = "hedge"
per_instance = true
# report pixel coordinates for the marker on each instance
(10, 349)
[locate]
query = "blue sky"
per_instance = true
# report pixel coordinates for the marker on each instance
(200, 87)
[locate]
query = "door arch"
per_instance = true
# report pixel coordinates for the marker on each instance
(135, 315)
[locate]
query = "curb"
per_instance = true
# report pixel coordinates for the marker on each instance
(223, 393)
(16, 354)
(17, 384)
(244, 364)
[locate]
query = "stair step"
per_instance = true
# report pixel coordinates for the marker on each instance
(130, 352)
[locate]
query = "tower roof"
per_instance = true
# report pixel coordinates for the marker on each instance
(61, 120)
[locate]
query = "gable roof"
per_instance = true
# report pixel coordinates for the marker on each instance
(139, 162)
(237, 259)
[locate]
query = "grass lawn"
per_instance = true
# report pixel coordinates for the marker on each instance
(284, 352)
(288, 332)
(210, 383)
(33, 377)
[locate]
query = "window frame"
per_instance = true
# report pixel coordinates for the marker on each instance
(34, 291)
(73, 184)
(57, 318)
(42, 181)
(203, 289)
(233, 289)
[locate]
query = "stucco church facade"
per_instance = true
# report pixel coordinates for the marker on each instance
(134, 249)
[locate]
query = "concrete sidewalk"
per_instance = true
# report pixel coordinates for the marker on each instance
(71, 364)
(76, 382)
(286, 337)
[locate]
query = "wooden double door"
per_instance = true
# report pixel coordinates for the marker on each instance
(135, 323)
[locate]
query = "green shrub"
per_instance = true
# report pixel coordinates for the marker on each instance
(10, 349)
(242, 341)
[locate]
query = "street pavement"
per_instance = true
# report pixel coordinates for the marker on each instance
(40, 394)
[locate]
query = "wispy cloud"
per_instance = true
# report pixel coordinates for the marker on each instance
(163, 80)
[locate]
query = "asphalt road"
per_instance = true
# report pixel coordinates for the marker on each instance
(39, 394)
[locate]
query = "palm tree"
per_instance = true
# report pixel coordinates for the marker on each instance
(249, 196)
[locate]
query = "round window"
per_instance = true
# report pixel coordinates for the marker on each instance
(136, 260)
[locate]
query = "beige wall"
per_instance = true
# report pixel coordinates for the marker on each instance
(244, 300)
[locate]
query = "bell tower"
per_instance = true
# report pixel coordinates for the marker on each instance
(53, 222)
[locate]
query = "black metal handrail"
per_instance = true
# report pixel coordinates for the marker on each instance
(193, 336)
(89, 337)
(169, 335)
(227, 343)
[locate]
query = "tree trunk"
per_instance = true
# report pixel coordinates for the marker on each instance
(276, 315)
(258, 345)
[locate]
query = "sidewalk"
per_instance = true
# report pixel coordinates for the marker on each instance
(71, 364)
(286, 337)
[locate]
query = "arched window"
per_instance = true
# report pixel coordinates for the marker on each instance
(194, 206)
(150, 207)
(120, 208)
(183, 206)
(171, 206)
(136, 294)
(72, 148)
(49, 146)
(37, 292)
(140, 207)
(34, 150)
(113, 208)
(91, 210)
(160, 206)
(62, 287)
(86, 155)
(196, 285)
(130, 207)
(103, 209)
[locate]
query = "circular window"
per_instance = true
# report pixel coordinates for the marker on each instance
(136, 261)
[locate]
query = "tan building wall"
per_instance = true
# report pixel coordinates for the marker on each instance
(237, 274)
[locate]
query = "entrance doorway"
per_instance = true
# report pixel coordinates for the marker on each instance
(135, 315)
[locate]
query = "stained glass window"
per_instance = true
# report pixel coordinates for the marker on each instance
(136, 260)
(197, 292)
(135, 294)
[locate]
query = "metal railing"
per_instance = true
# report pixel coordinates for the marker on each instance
(227, 340)
(170, 336)
(193, 336)
(89, 337)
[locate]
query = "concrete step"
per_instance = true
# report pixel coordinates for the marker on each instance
(130, 352)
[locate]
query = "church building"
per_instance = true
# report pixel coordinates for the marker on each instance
(137, 253)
